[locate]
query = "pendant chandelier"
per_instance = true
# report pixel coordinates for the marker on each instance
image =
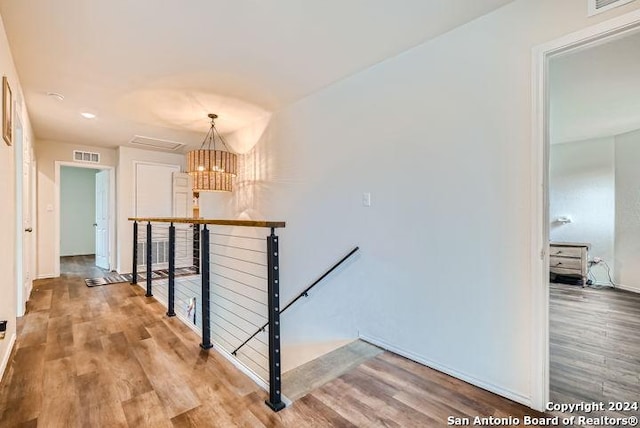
(212, 170)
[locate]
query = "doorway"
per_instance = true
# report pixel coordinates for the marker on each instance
(585, 325)
(86, 213)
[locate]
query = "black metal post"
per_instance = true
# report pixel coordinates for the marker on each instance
(149, 260)
(196, 247)
(134, 270)
(204, 275)
(273, 296)
(172, 271)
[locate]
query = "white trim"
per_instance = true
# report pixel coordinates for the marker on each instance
(599, 33)
(20, 215)
(522, 399)
(47, 276)
(5, 359)
(630, 288)
(112, 212)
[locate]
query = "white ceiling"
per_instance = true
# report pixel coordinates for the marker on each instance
(595, 92)
(157, 67)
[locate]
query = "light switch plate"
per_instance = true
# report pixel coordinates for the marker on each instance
(366, 199)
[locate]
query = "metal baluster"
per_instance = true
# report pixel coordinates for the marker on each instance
(172, 271)
(134, 275)
(275, 370)
(149, 260)
(196, 247)
(204, 271)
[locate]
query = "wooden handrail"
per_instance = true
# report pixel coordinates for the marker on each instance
(244, 223)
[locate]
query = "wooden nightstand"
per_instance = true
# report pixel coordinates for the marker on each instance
(569, 258)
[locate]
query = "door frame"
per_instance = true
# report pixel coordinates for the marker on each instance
(20, 142)
(540, 146)
(112, 210)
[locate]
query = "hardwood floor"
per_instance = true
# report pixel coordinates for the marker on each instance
(84, 266)
(594, 345)
(108, 356)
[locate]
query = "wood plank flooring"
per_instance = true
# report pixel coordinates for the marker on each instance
(84, 266)
(108, 357)
(594, 345)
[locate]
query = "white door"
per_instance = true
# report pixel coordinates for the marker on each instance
(27, 276)
(181, 207)
(102, 219)
(154, 198)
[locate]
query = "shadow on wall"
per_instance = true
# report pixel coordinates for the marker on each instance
(253, 168)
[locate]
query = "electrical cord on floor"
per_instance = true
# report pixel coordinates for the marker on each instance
(592, 276)
(613, 284)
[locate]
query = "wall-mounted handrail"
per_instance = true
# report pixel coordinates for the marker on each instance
(219, 222)
(305, 293)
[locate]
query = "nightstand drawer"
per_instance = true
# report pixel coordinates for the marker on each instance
(566, 251)
(563, 271)
(565, 262)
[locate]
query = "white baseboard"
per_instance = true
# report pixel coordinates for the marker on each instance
(619, 286)
(504, 392)
(5, 358)
(47, 276)
(628, 288)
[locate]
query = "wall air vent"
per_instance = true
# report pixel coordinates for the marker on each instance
(155, 143)
(598, 6)
(80, 156)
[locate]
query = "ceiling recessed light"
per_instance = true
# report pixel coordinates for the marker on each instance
(88, 115)
(56, 95)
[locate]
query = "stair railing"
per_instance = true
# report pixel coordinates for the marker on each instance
(209, 276)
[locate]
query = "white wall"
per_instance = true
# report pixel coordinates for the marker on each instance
(627, 246)
(125, 195)
(77, 211)
(582, 187)
(8, 221)
(441, 137)
(47, 153)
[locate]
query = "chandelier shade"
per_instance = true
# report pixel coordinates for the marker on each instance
(212, 170)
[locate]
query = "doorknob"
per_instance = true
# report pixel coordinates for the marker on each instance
(95, 224)
(28, 229)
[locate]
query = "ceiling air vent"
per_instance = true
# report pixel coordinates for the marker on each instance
(80, 156)
(155, 143)
(597, 6)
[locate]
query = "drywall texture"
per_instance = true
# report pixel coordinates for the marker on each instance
(441, 137)
(8, 222)
(627, 239)
(47, 153)
(582, 187)
(77, 211)
(125, 194)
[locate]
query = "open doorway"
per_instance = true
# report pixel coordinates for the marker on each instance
(589, 149)
(594, 200)
(85, 213)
